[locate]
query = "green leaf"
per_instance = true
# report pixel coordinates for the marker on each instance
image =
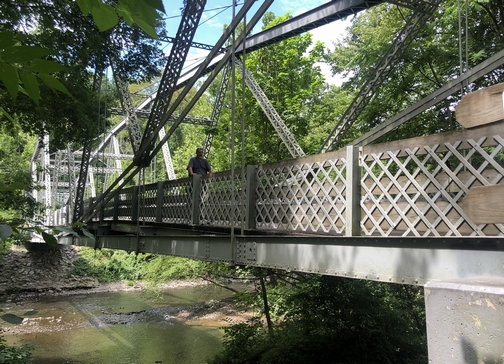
(146, 27)
(20, 54)
(9, 77)
(7, 40)
(65, 229)
(42, 65)
(105, 17)
(53, 83)
(5, 232)
(143, 14)
(88, 234)
(12, 319)
(156, 4)
(31, 86)
(126, 15)
(14, 186)
(49, 239)
(85, 6)
(6, 114)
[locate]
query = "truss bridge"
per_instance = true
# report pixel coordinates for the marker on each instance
(425, 211)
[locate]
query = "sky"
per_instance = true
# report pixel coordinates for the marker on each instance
(219, 12)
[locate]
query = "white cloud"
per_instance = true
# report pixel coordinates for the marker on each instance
(328, 34)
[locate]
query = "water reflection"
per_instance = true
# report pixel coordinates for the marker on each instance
(81, 329)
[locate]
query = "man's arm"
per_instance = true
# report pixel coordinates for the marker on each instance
(190, 171)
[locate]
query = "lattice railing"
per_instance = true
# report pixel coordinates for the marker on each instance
(176, 202)
(306, 196)
(221, 204)
(147, 203)
(413, 187)
(124, 204)
(418, 190)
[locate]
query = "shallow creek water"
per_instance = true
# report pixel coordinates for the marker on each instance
(117, 327)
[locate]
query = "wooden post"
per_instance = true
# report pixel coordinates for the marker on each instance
(481, 107)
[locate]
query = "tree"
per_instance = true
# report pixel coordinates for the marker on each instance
(289, 76)
(431, 61)
(57, 44)
(77, 46)
(323, 319)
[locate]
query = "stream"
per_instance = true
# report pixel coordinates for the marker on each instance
(117, 327)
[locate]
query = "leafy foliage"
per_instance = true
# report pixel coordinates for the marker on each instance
(430, 62)
(58, 44)
(13, 354)
(334, 320)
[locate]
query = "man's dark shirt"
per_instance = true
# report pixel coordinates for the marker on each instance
(199, 166)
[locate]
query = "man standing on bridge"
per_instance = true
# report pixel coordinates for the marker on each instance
(198, 164)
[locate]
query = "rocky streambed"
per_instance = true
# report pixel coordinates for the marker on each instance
(38, 274)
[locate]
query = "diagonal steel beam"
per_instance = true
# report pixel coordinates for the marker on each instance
(413, 25)
(134, 168)
(185, 34)
(283, 131)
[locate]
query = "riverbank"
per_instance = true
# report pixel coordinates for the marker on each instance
(37, 275)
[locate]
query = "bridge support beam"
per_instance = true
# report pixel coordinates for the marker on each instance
(465, 321)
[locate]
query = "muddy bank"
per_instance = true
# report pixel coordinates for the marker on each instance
(28, 276)
(41, 271)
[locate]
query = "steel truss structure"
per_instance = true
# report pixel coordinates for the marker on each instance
(393, 212)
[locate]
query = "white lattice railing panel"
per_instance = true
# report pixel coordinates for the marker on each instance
(147, 201)
(108, 210)
(221, 204)
(419, 190)
(177, 201)
(308, 196)
(125, 206)
(413, 187)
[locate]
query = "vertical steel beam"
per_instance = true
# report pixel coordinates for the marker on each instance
(47, 179)
(159, 201)
(353, 192)
(135, 203)
(250, 198)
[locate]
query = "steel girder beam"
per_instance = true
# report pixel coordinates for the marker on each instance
(133, 169)
(55, 177)
(128, 109)
(189, 119)
(207, 47)
(322, 15)
(497, 60)
(111, 155)
(413, 25)
(71, 179)
(410, 260)
(219, 102)
(289, 140)
(86, 156)
(47, 177)
(176, 59)
(33, 168)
